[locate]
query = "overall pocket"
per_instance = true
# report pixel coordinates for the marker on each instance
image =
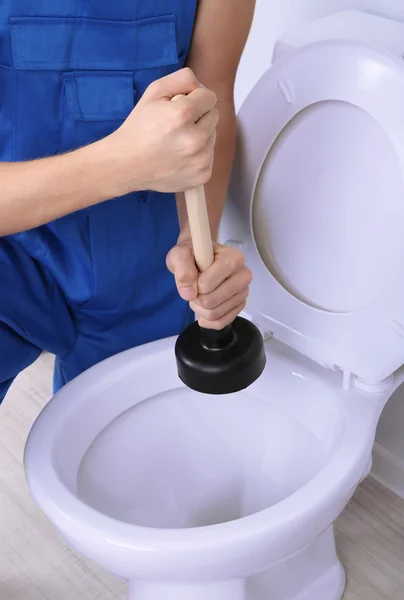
(94, 104)
(78, 78)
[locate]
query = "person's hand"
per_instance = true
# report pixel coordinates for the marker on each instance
(218, 294)
(167, 146)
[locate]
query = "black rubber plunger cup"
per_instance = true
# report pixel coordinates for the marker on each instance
(209, 361)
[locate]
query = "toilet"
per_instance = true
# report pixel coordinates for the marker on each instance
(194, 497)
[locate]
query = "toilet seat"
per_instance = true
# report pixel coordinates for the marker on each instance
(276, 193)
(342, 425)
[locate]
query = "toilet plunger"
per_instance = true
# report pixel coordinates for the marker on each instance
(210, 361)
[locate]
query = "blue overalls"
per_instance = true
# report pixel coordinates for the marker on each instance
(94, 283)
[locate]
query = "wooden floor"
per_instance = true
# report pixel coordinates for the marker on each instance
(35, 565)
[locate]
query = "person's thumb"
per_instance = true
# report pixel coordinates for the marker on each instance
(181, 263)
(180, 82)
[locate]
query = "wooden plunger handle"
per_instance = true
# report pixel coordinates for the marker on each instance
(204, 256)
(198, 220)
(201, 236)
(199, 226)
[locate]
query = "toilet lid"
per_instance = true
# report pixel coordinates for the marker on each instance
(317, 204)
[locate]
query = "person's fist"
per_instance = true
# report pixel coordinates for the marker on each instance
(167, 146)
(218, 294)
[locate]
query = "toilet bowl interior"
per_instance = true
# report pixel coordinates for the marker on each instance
(183, 460)
(179, 459)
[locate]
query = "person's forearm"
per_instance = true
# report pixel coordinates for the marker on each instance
(150, 150)
(216, 188)
(37, 192)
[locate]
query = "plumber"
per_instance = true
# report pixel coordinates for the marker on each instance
(95, 250)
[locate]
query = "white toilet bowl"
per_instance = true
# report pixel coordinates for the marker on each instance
(188, 496)
(182, 493)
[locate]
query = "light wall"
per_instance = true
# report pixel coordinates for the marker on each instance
(272, 18)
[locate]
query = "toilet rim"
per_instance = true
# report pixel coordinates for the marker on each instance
(69, 513)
